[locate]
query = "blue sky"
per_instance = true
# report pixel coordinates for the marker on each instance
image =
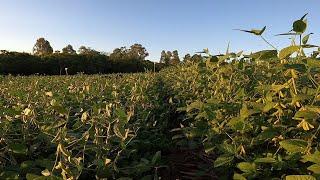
(185, 25)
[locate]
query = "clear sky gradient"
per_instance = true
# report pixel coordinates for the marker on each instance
(185, 25)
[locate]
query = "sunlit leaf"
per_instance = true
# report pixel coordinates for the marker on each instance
(300, 177)
(223, 160)
(257, 32)
(237, 176)
(288, 51)
(267, 160)
(294, 145)
(305, 39)
(315, 168)
(315, 157)
(247, 167)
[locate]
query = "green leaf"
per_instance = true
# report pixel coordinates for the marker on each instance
(300, 177)
(268, 160)
(257, 32)
(277, 88)
(237, 176)
(239, 54)
(178, 136)
(36, 177)
(195, 105)
(121, 114)
(287, 34)
(245, 112)
(32, 176)
(223, 160)
(313, 63)
(268, 107)
(61, 110)
(227, 148)
(156, 157)
(208, 147)
(299, 26)
(214, 59)
(294, 145)
(288, 51)
(265, 54)
(18, 148)
(297, 66)
(45, 163)
(306, 114)
(10, 175)
(267, 134)
(315, 158)
(247, 167)
(27, 164)
(306, 38)
(237, 123)
(315, 168)
(302, 18)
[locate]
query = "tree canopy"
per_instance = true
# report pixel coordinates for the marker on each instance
(68, 50)
(45, 60)
(42, 47)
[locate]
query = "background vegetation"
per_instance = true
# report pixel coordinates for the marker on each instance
(88, 61)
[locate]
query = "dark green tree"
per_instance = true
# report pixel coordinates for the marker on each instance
(42, 47)
(187, 58)
(137, 52)
(196, 58)
(166, 57)
(119, 54)
(163, 57)
(83, 50)
(175, 60)
(68, 50)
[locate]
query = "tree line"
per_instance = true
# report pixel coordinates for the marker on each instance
(44, 60)
(172, 58)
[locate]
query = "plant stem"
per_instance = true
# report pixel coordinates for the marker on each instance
(268, 42)
(300, 40)
(300, 43)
